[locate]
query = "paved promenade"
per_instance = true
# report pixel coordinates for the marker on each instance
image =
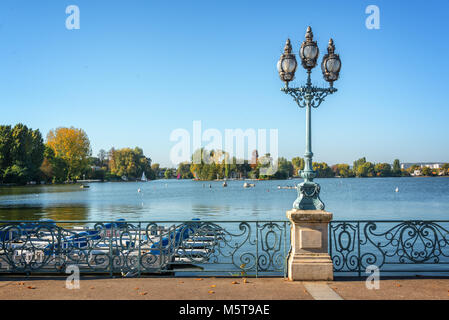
(218, 288)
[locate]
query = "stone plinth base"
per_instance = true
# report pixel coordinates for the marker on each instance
(309, 258)
(317, 267)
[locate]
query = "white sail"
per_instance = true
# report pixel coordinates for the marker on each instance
(143, 178)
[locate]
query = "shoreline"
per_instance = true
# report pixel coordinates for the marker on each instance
(215, 180)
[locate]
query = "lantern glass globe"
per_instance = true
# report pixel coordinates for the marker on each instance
(289, 65)
(311, 52)
(333, 65)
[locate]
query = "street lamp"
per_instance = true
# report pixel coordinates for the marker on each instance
(309, 96)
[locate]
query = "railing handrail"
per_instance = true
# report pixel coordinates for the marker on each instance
(383, 221)
(138, 221)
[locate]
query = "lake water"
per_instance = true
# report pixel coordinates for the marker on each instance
(373, 198)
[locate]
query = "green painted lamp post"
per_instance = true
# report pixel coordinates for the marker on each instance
(309, 96)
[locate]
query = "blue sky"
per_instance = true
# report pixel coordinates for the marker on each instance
(136, 70)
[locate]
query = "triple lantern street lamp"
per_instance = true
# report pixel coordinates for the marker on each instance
(309, 96)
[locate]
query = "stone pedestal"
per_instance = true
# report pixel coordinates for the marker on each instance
(309, 258)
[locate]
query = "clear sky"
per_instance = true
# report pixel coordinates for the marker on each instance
(138, 69)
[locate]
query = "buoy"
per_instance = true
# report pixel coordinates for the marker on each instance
(138, 190)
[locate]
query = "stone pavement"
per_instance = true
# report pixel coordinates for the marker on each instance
(218, 289)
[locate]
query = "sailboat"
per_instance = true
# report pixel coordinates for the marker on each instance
(143, 178)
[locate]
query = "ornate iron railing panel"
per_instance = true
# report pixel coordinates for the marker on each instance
(393, 246)
(135, 248)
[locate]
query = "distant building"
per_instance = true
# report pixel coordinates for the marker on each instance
(431, 165)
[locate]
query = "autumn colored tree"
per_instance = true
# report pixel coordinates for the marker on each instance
(358, 163)
(322, 170)
(365, 170)
(383, 170)
(73, 147)
(342, 170)
(298, 164)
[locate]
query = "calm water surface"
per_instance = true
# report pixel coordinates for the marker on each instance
(374, 198)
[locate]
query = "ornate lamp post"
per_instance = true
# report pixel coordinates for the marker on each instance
(309, 258)
(309, 96)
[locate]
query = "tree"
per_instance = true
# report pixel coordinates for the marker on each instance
(358, 163)
(168, 174)
(365, 170)
(264, 168)
(102, 156)
(155, 167)
(445, 168)
(285, 169)
(203, 165)
(5, 147)
(426, 171)
(53, 169)
(342, 170)
(71, 145)
(298, 164)
(322, 169)
(130, 163)
(396, 168)
(184, 171)
(382, 170)
(21, 154)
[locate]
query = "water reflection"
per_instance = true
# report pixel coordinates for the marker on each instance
(38, 189)
(183, 200)
(36, 213)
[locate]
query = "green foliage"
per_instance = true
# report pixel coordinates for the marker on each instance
(285, 169)
(15, 174)
(21, 154)
(426, 171)
(298, 164)
(396, 171)
(169, 173)
(322, 170)
(365, 169)
(53, 169)
(184, 171)
(357, 164)
(342, 170)
(155, 167)
(130, 163)
(383, 170)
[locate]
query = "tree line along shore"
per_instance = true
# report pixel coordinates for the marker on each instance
(66, 156)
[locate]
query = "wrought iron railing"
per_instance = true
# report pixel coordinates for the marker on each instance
(133, 248)
(239, 248)
(392, 246)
